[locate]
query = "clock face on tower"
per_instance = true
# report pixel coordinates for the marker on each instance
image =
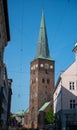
(41, 65)
(46, 66)
(51, 66)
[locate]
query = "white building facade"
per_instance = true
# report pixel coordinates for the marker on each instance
(65, 99)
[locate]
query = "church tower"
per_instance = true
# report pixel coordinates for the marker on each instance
(41, 76)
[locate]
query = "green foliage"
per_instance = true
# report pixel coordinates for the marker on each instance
(11, 114)
(49, 117)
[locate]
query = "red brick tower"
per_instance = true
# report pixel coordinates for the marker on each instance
(41, 76)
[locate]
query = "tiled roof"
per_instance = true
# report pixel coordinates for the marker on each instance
(20, 113)
(44, 106)
(27, 110)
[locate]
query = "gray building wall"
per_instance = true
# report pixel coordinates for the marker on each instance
(4, 86)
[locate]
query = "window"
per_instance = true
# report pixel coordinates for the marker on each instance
(48, 81)
(43, 80)
(72, 104)
(33, 81)
(71, 85)
(46, 71)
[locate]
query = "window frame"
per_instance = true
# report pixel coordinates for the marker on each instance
(72, 85)
(72, 104)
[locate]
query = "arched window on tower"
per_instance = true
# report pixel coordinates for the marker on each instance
(43, 80)
(46, 71)
(48, 81)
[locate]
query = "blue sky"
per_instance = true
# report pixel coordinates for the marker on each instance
(24, 22)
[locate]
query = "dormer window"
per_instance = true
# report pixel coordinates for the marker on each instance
(71, 85)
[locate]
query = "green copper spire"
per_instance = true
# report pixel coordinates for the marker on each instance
(42, 47)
